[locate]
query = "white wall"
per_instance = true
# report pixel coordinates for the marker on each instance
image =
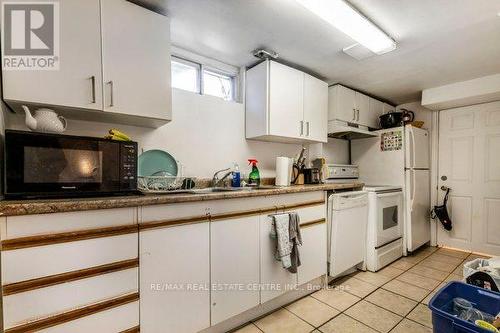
(206, 134)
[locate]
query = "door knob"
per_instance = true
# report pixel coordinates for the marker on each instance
(444, 188)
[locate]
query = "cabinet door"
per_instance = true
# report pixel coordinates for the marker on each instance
(362, 108)
(235, 264)
(286, 90)
(341, 104)
(136, 60)
(275, 280)
(312, 252)
(315, 108)
(174, 279)
(371, 118)
(77, 83)
(388, 108)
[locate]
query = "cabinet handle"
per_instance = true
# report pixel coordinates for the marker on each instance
(307, 127)
(353, 114)
(301, 127)
(111, 104)
(92, 82)
(357, 112)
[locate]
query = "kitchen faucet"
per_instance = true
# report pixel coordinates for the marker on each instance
(216, 180)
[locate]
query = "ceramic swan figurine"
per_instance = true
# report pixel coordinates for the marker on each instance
(45, 120)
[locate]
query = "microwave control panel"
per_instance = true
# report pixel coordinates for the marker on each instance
(129, 166)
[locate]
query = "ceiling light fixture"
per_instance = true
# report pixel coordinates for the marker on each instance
(347, 19)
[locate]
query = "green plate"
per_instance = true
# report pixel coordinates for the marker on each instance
(156, 162)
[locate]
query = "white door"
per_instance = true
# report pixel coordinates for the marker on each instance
(312, 253)
(286, 109)
(234, 253)
(78, 82)
(342, 104)
(417, 146)
(418, 199)
(136, 60)
(275, 280)
(362, 109)
(174, 279)
(469, 164)
(315, 108)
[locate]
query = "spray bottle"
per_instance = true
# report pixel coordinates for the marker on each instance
(254, 177)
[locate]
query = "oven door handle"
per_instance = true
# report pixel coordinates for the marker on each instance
(386, 195)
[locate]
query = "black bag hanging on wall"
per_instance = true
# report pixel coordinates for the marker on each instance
(441, 212)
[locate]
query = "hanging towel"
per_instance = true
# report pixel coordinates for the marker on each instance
(280, 231)
(295, 241)
(286, 231)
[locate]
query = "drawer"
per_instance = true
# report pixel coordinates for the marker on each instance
(43, 224)
(114, 320)
(39, 303)
(40, 261)
(310, 214)
(296, 198)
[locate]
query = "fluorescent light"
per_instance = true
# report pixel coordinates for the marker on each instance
(344, 17)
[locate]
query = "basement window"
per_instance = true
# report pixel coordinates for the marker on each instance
(185, 75)
(218, 84)
(203, 79)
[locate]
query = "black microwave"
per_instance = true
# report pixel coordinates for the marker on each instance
(41, 165)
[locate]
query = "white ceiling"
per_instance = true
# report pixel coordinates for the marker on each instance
(440, 41)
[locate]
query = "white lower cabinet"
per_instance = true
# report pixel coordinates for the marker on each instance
(234, 266)
(274, 279)
(174, 278)
(312, 252)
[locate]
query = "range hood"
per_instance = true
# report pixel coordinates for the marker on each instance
(343, 130)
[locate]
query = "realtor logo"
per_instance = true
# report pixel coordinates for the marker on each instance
(30, 35)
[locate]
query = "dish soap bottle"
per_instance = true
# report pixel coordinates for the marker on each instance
(254, 177)
(236, 182)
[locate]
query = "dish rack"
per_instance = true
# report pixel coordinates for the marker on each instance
(160, 184)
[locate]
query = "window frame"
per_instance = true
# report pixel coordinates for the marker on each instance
(216, 71)
(210, 65)
(190, 64)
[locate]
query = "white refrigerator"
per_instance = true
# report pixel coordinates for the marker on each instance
(400, 156)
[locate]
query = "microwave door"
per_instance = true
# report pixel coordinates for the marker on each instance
(45, 164)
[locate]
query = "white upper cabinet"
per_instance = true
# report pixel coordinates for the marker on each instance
(114, 57)
(315, 108)
(136, 60)
(285, 105)
(286, 101)
(388, 108)
(78, 81)
(353, 107)
(371, 118)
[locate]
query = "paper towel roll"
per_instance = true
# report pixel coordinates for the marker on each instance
(283, 171)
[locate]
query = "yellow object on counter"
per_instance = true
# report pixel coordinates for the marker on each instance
(116, 135)
(119, 134)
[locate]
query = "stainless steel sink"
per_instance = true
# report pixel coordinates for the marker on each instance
(218, 189)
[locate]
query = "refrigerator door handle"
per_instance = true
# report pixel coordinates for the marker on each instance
(412, 148)
(412, 189)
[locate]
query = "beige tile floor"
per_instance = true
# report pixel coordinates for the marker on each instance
(392, 300)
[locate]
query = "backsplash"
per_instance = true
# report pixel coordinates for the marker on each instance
(206, 134)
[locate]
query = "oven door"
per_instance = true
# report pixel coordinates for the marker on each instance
(389, 217)
(39, 165)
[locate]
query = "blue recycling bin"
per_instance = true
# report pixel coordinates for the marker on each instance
(441, 306)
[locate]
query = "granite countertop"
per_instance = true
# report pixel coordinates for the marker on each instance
(46, 206)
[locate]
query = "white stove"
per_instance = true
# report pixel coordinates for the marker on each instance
(384, 242)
